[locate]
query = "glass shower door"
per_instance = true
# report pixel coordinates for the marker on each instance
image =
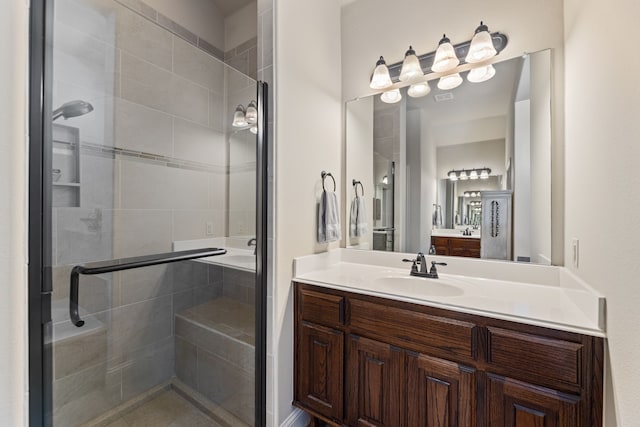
(145, 158)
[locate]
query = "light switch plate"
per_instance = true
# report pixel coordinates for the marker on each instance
(575, 252)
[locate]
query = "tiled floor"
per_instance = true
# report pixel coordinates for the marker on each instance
(169, 409)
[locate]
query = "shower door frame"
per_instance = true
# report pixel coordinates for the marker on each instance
(40, 220)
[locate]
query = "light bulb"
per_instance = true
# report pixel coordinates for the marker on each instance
(481, 47)
(380, 78)
(473, 174)
(251, 115)
(391, 96)
(463, 176)
(484, 174)
(239, 119)
(451, 81)
(466, 194)
(481, 74)
(452, 176)
(254, 129)
(411, 68)
(417, 90)
(445, 58)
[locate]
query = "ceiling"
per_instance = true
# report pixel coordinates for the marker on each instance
(472, 101)
(228, 7)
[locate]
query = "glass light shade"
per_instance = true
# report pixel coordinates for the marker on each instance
(463, 176)
(445, 58)
(380, 78)
(481, 74)
(239, 119)
(417, 90)
(451, 81)
(391, 96)
(473, 174)
(251, 115)
(452, 176)
(481, 47)
(254, 129)
(467, 194)
(484, 174)
(411, 68)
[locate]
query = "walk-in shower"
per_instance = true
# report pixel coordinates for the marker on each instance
(147, 304)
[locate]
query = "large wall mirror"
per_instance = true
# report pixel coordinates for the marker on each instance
(406, 155)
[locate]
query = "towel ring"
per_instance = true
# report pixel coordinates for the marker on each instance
(324, 174)
(355, 184)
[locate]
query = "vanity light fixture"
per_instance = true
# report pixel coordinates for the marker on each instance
(449, 82)
(475, 203)
(417, 90)
(481, 74)
(381, 78)
(481, 47)
(464, 174)
(445, 59)
(411, 68)
(391, 96)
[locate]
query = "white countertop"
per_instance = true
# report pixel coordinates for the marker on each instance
(449, 232)
(552, 296)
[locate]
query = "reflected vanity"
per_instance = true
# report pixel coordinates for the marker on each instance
(425, 159)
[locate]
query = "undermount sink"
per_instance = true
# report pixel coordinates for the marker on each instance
(419, 284)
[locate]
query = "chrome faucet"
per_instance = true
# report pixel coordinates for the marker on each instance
(422, 272)
(253, 242)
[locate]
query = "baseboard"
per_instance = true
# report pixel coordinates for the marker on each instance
(297, 418)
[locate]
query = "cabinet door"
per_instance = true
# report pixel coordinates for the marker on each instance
(374, 378)
(512, 403)
(320, 369)
(440, 393)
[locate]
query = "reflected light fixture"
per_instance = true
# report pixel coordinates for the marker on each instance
(451, 81)
(445, 59)
(251, 114)
(411, 68)
(380, 78)
(472, 194)
(391, 96)
(239, 118)
(481, 74)
(417, 90)
(481, 47)
(464, 174)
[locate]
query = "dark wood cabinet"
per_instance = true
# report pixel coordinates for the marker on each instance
(373, 383)
(439, 392)
(456, 246)
(319, 359)
(370, 361)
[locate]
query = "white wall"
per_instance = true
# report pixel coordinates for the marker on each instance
(522, 181)
(241, 26)
(371, 28)
(603, 150)
(540, 154)
(201, 17)
(13, 213)
(308, 140)
(359, 131)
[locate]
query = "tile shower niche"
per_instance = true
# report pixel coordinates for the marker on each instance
(65, 166)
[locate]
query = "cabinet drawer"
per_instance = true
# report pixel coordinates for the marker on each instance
(412, 329)
(535, 357)
(321, 308)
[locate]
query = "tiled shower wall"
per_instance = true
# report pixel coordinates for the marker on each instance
(155, 168)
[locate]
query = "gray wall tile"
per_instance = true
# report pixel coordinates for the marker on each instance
(143, 38)
(141, 232)
(186, 363)
(148, 371)
(143, 129)
(198, 66)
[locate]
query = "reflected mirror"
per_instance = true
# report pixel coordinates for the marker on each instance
(460, 172)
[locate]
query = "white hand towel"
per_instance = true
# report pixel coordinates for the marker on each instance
(328, 218)
(358, 220)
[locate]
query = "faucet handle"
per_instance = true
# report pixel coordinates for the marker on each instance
(414, 266)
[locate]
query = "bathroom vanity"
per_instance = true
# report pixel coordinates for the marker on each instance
(457, 246)
(376, 347)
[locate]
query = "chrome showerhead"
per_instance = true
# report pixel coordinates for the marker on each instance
(72, 109)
